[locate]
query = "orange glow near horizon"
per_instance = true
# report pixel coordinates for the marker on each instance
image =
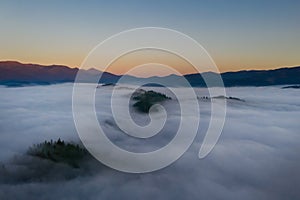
(133, 59)
(137, 58)
(129, 61)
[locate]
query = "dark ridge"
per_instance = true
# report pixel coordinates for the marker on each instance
(222, 97)
(59, 151)
(146, 99)
(15, 74)
(291, 87)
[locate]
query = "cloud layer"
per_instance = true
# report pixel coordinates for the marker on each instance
(257, 156)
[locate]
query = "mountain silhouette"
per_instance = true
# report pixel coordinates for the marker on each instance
(14, 73)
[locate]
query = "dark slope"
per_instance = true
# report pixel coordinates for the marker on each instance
(18, 74)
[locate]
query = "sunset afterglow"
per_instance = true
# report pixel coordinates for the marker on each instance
(236, 38)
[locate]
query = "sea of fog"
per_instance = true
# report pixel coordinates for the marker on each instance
(256, 157)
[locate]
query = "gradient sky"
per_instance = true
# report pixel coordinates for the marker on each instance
(253, 34)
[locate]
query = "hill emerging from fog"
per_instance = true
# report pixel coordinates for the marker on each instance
(18, 74)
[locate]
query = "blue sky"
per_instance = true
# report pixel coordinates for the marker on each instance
(238, 34)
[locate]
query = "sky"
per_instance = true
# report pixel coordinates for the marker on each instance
(257, 34)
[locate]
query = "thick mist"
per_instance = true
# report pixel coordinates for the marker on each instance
(256, 157)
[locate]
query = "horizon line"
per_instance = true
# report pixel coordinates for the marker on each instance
(231, 71)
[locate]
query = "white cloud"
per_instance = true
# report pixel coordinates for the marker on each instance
(257, 156)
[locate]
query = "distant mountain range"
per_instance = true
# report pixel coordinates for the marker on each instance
(17, 74)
